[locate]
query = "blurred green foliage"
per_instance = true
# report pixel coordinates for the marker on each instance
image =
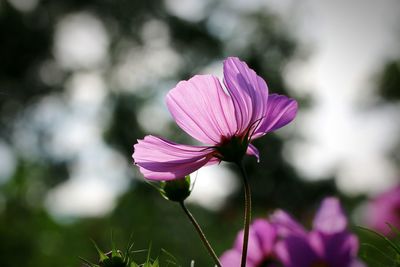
(389, 81)
(379, 250)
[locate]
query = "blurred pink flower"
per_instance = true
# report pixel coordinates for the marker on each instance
(384, 209)
(262, 241)
(225, 119)
(328, 244)
(282, 241)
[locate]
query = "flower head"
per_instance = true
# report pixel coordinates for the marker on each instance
(262, 240)
(385, 209)
(328, 244)
(282, 241)
(227, 120)
(176, 190)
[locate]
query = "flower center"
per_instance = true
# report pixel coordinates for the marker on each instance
(232, 149)
(397, 211)
(269, 262)
(319, 263)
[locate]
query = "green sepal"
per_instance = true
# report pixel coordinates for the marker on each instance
(176, 190)
(233, 149)
(102, 255)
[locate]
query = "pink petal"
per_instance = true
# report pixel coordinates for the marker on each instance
(233, 258)
(316, 241)
(280, 111)
(230, 258)
(351, 244)
(249, 92)
(254, 250)
(253, 151)
(266, 235)
(357, 263)
(295, 251)
(203, 109)
(160, 159)
(282, 252)
(338, 249)
(382, 210)
(286, 225)
(330, 218)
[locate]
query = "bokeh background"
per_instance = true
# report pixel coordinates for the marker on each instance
(81, 81)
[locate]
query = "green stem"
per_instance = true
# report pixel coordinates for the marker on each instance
(201, 234)
(247, 213)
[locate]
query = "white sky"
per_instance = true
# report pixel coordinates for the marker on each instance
(346, 136)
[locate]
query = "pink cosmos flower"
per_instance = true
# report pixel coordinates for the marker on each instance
(262, 241)
(384, 209)
(282, 241)
(328, 244)
(226, 119)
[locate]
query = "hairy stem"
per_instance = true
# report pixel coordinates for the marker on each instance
(247, 213)
(201, 234)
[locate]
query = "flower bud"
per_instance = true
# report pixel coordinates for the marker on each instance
(233, 149)
(176, 190)
(113, 258)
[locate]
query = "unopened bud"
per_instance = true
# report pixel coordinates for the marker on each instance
(113, 258)
(176, 190)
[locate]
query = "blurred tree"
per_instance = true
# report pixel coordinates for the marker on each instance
(389, 88)
(389, 81)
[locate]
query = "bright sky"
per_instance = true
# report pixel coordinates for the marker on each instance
(346, 134)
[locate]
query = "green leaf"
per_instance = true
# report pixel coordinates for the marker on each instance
(387, 240)
(394, 229)
(172, 259)
(88, 263)
(155, 263)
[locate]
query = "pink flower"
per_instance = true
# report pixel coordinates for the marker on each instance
(384, 209)
(328, 244)
(262, 241)
(227, 120)
(282, 241)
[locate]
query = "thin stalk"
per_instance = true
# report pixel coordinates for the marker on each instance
(201, 234)
(247, 213)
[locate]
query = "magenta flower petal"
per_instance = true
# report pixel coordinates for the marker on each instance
(295, 251)
(253, 151)
(383, 209)
(266, 235)
(262, 238)
(249, 92)
(330, 218)
(255, 254)
(160, 159)
(286, 225)
(280, 111)
(232, 258)
(328, 244)
(357, 263)
(317, 243)
(203, 109)
(340, 249)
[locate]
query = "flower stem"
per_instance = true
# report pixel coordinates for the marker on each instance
(247, 213)
(201, 234)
